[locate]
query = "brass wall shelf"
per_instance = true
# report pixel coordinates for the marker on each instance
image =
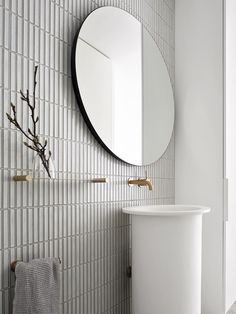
(99, 180)
(28, 178)
(23, 178)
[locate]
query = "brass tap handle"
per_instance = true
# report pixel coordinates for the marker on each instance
(140, 182)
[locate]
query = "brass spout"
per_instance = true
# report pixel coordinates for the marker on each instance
(141, 182)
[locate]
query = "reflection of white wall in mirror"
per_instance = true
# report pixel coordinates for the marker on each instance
(118, 36)
(96, 70)
(127, 97)
(158, 115)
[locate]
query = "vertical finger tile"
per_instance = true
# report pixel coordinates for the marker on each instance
(71, 218)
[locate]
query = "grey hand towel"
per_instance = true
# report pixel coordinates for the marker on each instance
(37, 287)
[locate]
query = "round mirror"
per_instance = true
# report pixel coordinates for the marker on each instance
(122, 86)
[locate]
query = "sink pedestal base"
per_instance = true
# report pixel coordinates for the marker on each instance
(166, 264)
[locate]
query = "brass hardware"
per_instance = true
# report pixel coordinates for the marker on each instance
(129, 271)
(13, 264)
(30, 178)
(23, 178)
(99, 180)
(141, 182)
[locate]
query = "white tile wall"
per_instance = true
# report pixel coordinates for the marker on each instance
(74, 219)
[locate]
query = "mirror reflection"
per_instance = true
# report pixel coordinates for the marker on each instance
(123, 87)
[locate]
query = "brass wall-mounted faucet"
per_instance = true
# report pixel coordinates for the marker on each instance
(140, 182)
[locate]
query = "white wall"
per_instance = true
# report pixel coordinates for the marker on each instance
(231, 151)
(199, 131)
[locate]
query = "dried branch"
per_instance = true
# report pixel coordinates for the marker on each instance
(31, 135)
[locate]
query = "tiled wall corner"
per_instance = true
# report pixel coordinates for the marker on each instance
(74, 219)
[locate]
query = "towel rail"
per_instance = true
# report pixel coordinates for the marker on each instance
(13, 264)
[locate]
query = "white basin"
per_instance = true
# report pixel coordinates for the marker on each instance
(166, 258)
(166, 210)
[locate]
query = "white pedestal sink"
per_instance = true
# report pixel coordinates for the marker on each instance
(166, 258)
